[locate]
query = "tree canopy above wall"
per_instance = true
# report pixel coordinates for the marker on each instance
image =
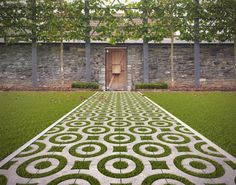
(116, 21)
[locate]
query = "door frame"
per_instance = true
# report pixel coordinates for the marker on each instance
(126, 66)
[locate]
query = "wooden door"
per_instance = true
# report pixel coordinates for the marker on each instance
(116, 69)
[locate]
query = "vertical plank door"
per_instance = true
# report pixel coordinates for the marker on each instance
(116, 69)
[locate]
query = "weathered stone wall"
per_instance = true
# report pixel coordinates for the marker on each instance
(217, 64)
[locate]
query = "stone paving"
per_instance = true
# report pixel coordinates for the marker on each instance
(120, 138)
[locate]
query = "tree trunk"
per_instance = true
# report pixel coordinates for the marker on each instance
(235, 53)
(34, 65)
(145, 63)
(87, 43)
(196, 48)
(145, 46)
(172, 59)
(197, 63)
(62, 62)
(34, 46)
(87, 60)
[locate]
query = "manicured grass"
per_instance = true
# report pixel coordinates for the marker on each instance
(25, 114)
(213, 114)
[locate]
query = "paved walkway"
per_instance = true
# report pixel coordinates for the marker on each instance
(120, 138)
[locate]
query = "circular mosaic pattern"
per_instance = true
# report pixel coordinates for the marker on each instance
(69, 118)
(78, 178)
(173, 138)
(206, 149)
(85, 114)
(199, 166)
(65, 138)
(119, 123)
(55, 129)
(122, 145)
(183, 130)
(41, 166)
(119, 138)
(142, 130)
(34, 148)
(100, 118)
(121, 114)
(88, 149)
(152, 114)
(164, 179)
(138, 118)
(120, 166)
(75, 124)
(160, 123)
(96, 130)
(152, 149)
(168, 118)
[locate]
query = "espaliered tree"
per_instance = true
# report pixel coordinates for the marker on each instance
(193, 30)
(209, 20)
(143, 31)
(168, 16)
(115, 23)
(220, 23)
(92, 11)
(18, 21)
(57, 25)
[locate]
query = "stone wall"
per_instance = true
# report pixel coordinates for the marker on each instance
(217, 64)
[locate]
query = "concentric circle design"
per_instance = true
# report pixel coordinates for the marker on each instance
(160, 123)
(152, 114)
(88, 149)
(183, 130)
(75, 124)
(85, 114)
(55, 129)
(119, 138)
(152, 149)
(34, 148)
(199, 166)
(65, 138)
(165, 178)
(117, 114)
(115, 136)
(96, 130)
(168, 118)
(138, 118)
(207, 149)
(119, 123)
(100, 118)
(142, 130)
(173, 138)
(69, 118)
(78, 178)
(120, 166)
(36, 168)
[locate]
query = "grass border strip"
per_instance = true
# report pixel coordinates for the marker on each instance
(20, 149)
(228, 155)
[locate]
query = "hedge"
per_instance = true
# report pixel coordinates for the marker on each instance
(85, 85)
(159, 85)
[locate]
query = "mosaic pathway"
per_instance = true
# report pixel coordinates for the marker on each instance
(120, 138)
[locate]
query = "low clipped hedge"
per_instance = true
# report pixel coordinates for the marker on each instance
(85, 85)
(158, 85)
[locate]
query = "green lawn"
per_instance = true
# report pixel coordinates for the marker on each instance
(25, 114)
(213, 114)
